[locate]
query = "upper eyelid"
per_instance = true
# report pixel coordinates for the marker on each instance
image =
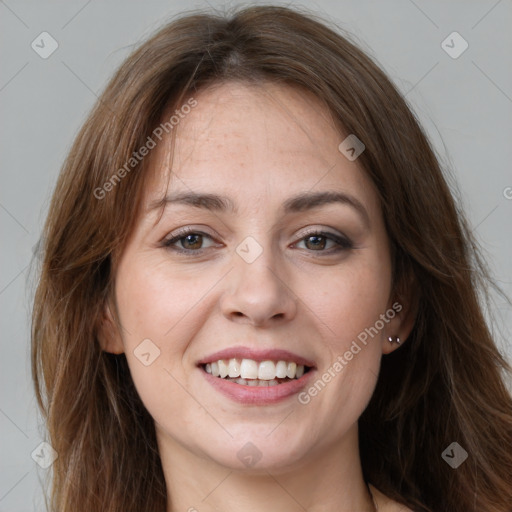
(183, 232)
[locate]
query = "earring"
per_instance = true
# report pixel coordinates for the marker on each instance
(394, 339)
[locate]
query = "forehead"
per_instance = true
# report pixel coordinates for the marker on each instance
(253, 143)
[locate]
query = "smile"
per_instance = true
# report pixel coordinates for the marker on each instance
(249, 372)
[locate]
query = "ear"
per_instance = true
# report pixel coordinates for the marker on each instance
(405, 307)
(108, 333)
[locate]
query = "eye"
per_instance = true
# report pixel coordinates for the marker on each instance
(190, 241)
(317, 240)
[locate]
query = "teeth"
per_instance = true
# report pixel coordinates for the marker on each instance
(267, 370)
(290, 371)
(255, 382)
(249, 369)
(281, 367)
(223, 369)
(234, 368)
(252, 371)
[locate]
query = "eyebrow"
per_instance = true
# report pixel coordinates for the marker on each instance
(298, 203)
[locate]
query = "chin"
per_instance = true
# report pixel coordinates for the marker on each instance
(258, 453)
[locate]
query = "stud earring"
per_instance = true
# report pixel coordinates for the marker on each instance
(394, 339)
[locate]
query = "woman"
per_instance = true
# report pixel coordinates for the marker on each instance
(257, 291)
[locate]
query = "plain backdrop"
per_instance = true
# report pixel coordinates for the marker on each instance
(464, 103)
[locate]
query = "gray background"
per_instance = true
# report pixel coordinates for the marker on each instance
(465, 105)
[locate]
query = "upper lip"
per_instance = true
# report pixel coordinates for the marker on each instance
(240, 352)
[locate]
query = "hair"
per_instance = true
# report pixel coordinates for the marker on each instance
(445, 384)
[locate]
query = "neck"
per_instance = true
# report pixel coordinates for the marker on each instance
(330, 480)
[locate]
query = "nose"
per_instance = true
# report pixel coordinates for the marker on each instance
(257, 293)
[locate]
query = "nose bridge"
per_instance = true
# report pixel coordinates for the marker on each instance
(257, 289)
(258, 264)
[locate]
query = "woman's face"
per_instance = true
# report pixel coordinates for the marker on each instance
(250, 279)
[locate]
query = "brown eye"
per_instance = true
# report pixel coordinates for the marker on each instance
(318, 241)
(187, 242)
(193, 241)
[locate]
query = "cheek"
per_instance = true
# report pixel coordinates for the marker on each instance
(351, 298)
(158, 309)
(349, 308)
(154, 301)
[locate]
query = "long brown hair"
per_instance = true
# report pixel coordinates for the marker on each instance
(446, 384)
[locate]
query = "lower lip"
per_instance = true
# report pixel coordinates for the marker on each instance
(258, 395)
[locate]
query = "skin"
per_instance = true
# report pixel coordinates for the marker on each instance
(258, 145)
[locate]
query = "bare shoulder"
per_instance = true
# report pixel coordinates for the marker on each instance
(385, 504)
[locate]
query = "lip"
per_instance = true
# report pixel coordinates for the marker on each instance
(256, 395)
(240, 352)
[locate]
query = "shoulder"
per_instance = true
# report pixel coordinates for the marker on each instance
(386, 504)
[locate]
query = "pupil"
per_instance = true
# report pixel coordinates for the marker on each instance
(316, 244)
(188, 237)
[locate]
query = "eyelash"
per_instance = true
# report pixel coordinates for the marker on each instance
(343, 242)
